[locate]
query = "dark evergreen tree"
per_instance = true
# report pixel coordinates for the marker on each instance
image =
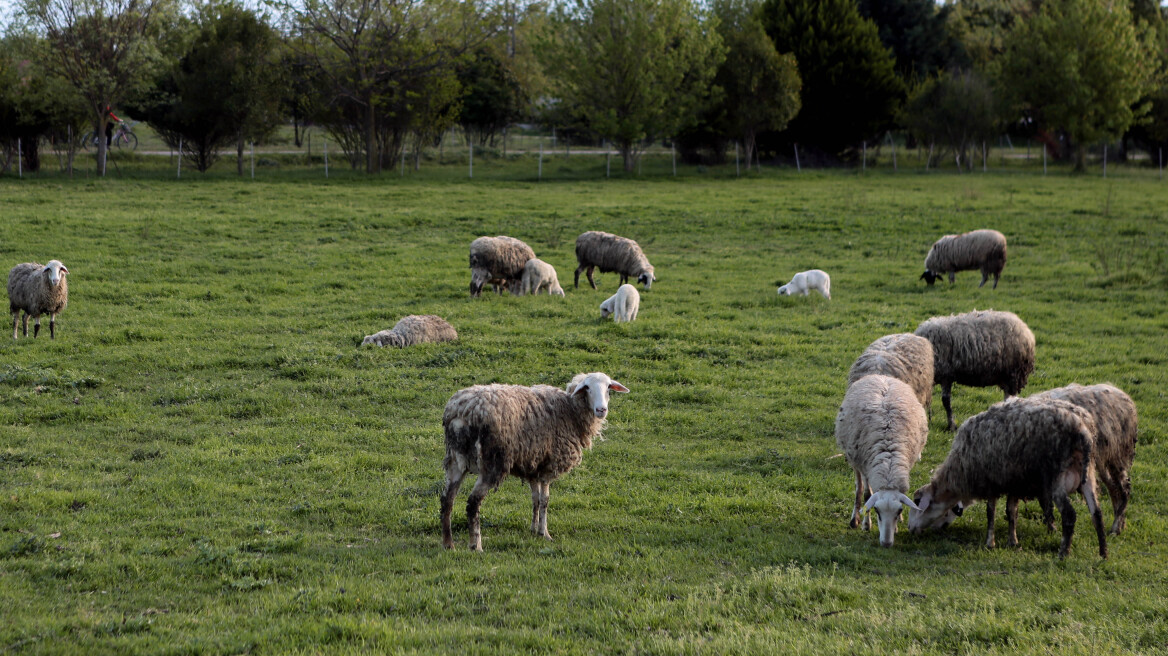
(918, 33)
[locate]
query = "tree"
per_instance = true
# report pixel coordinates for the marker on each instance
(492, 97)
(956, 109)
(633, 69)
(104, 48)
(918, 33)
(1078, 66)
(760, 86)
(982, 25)
(850, 87)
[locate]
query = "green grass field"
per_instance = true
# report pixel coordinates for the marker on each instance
(204, 462)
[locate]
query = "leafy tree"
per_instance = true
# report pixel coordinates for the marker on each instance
(1078, 66)
(982, 25)
(492, 97)
(760, 86)
(957, 110)
(104, 48)
(633, 69)
(850, 87)
(918, 33)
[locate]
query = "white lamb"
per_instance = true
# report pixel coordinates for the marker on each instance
(805, 281)
(623, 304)
(538, 275)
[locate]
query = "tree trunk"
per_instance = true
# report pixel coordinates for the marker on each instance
(370, 137)
(1080, 158)
(102, 146)
(239, 156)
(627, 155)
(748, 143)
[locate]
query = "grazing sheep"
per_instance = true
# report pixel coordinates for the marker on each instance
(537, 433)
(804, 281)
(499, 261)
(623, 304)
(1115, 441)
(608, 252)
(903, 356)
(881, 428)
(980, 249)
(979, 349)
(37, 290)
(538, 275)
(414, 329)
(1022, 448)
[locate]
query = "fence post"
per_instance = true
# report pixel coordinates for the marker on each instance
(179, 174)
(865, 160)
(253, 160)
(326, 159)
(798, 167)
(540, 161)
(1104, 160)
(673, 151)
(607, 163)
(1161, 163)
(402, 166)
(1044, 158)
(19, 160)
(893, 142)
(470, 145)
(983, 157)
(737, 167)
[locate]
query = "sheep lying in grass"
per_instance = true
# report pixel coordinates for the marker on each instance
(539, 275)
(1025, 449)
(414, 329)
(1116, 421)
(36, 290)
(608, 252)
(805, 281)
(979, 349)
(537, 433)
(499, 261)
(622, 306)
(903, 356)
(979, 249)
(881, 428)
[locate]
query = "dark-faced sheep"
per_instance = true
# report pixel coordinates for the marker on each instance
(1024, 449)
(536, 433)
(414, 329)
(980, 249)
(881, 428)
(903, 356)
(979, 349)
(499, 261)
(36, 290)
(608, 252)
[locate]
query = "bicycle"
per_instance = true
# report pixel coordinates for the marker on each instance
(123, 137)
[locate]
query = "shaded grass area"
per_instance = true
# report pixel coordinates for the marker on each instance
(205, 462)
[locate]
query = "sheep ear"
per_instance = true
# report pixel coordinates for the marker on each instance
(617, 387)
(871, 502)
(581, 390)
(908, 502)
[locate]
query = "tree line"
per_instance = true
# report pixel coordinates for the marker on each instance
(387, 78)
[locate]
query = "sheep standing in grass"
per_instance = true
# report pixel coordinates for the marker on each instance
(537, 433)
(622, 306)
(414, 329)
(499, 261)
(882, 429)
(1025, 449)
(538, 275)
(1116, 421)
(608, 252)
(805, 281)
(37, 290)
(903, 356)
(979, 249)
(979, 349)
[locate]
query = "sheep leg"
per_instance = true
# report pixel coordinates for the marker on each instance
(477, 494)
(946, 394)
(1119, 489)
(867, 523)
(590, 280)
(536, 488)
(991, 510)
(1068, 516)
(544, 496)
(1012, 517)
(996, 276)
(24, 323)
(859, 501)
(1087, 489)
(15, 323)
(578, 270)
(1047, 511)
(952, 277)
(454, 475)
(984, 277)
(52, 326)
(36, 327)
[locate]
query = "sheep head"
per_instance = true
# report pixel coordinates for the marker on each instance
(887, 504)
(595, 388)
(55, 272)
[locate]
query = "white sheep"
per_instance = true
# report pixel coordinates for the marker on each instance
(1024, 449)
(37, 290)
(414, 329)
(624, 304)
(979, 349)
(805, 281)
(881, 428)
(978, 249)
(538, 275)
(903, 356)
(609, 252)
(535, 433)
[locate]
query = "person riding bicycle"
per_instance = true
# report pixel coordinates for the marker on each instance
(109, 126)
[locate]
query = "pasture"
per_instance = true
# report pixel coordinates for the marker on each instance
(203, 461)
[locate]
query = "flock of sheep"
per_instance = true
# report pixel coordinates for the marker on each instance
(1043, 447)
